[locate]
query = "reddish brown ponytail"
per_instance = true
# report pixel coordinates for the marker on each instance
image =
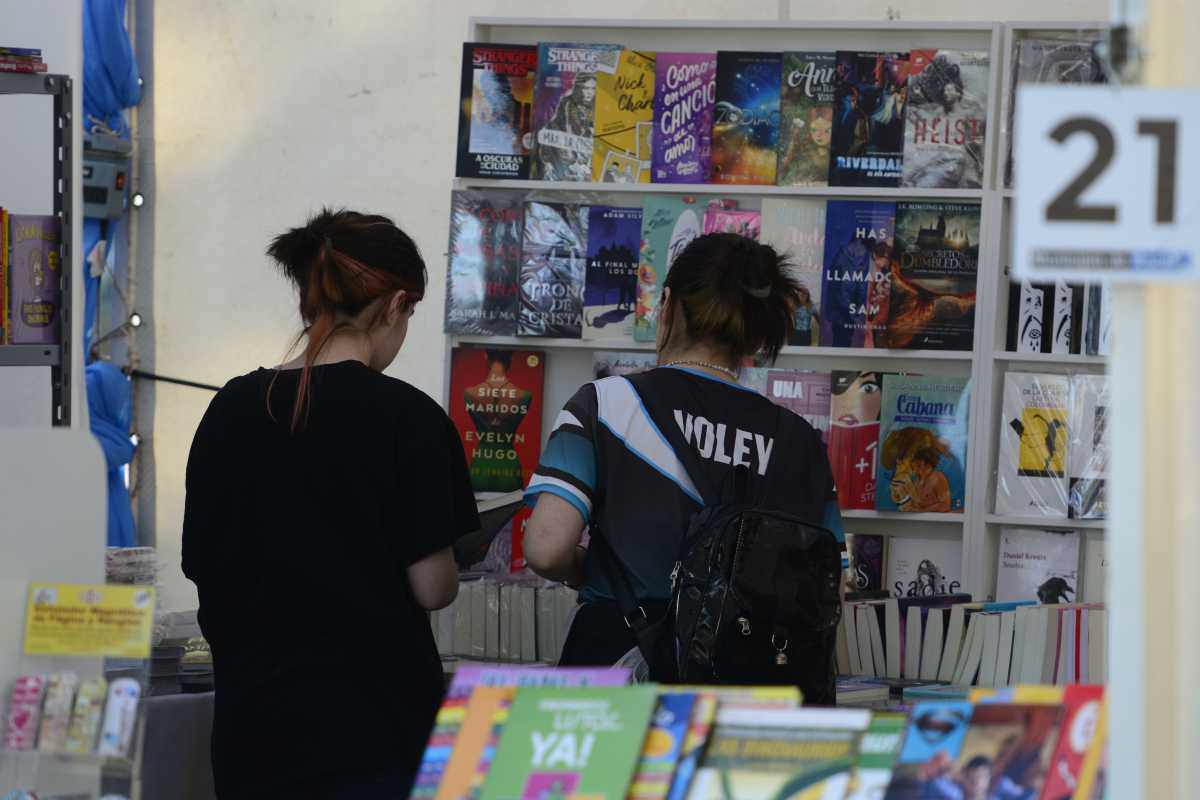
(342, 262)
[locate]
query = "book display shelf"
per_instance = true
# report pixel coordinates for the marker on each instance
(569, 361)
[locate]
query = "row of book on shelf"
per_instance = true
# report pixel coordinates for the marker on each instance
(26, 60)
(31, 273)
(505, 621)
(58, 713)
(507, 732)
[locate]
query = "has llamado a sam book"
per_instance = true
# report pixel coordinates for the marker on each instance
(496, 110)
(663, 745)
(685, 96)
(868, 119)
(1088, 454)
(1081, 718)
(610, 291)
(1041, 565)
(923, 567)
(669, 224)
(624, 119)
(553, 270)
(34, 279)
(746, 121)
(923, 444)
(564, 108)
(934, 271)
(1031, 477)
(571, 743)
(804, 393)
(946, 119)
(796, 229)
(855, 403)
(496, 405)
(856, 287)
(806, 118)
(482, 295)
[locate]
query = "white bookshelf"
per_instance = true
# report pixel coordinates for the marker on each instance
(569, 362)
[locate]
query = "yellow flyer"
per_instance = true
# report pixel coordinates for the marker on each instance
(72, 619)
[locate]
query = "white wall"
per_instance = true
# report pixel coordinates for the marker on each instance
(264, 111)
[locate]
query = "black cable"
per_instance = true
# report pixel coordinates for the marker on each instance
(150, 376)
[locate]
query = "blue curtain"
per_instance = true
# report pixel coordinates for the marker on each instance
(110, 74)
(110, 404)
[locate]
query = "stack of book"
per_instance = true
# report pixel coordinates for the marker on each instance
(131, 565)
(21, 60)
(508, 622)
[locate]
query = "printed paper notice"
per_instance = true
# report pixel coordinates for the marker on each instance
(71, 619)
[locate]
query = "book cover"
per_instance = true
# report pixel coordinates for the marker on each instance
(1038, 565)
(946, 119)
(868, 559)
(664, 742)
(472, 735)
(856, 286)
(704, 714)
(497, 408)
(610, 288)
(934, 271)
(482, 295)
(624, 119)
(1031, 479)
(746, 118)
(804, 393)
(806, 118)
(1067, 317)
(570, 742)
(1081, 714)
(796, 229)
(1097, 319)
(877, 753)
(923, 443)
(868, 119)
(553, 269)
(933, 740)
(1092, 784)
(1087, 453)
(669, 224)
(564, 108)
(855, 403)
(496, 110)
(606, 364)
(34, 279)
(762, 754)
(723, 217)
(685, 96)
(921, 568)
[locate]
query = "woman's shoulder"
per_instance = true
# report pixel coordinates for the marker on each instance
(409, 398)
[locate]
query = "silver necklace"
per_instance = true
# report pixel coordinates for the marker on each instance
(704, 364)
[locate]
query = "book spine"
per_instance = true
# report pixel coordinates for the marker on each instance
(492, 621)
(22, 67)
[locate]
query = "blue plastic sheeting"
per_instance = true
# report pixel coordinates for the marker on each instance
(93, 232)
(110, 73)
(110, 404)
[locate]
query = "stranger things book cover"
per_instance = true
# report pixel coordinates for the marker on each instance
(870, 96)
(564, 108)
(484, 263)
(496, 406)
(553, 269)
(496, 110)
(685, 94)
(746, 122)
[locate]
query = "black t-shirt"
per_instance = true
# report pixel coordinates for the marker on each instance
(641, 455)
(298, 545)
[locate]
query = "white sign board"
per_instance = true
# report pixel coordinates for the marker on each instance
(1107, 183)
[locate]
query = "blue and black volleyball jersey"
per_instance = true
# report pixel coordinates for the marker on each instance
(640, 455)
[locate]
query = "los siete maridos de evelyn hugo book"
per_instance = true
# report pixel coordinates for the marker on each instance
(610, 292)
(796, 229)
(746, 122)
(496, 405)
(669, 224)
(856, 289)
(854, 409)
(553, 269)
(923, 444)
(685, 94)
(564, 108)
(484, 263)
(945, 119)
(806, 118)
(570, 743)
(496, 110)
(34, 279)
(1031, 478)
(624, 117)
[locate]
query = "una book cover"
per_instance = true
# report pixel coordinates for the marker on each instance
(868, 119)
(877, 754)
(610, 288)
(664, 742)
(856, 286)
(868, 560)
(669, 224)
(496, 110)
(922, 568)
(553, 269)
(1038, 565)
(482, 295)
(804, 393)
(685, 96)
(723, 216)
(923, 444)
(34, 279)
(1087, 453)
(806, 118)
(796, 229)
(1081, 718)
(746, 119)
(946, 119)
(762, 754)
(497, 409)
(564, 108)
(934, 271)
(1031, 479)
(856, 401)
(624, 118)
(570, 743)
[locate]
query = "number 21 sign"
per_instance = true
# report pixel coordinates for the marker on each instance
(1107, 183)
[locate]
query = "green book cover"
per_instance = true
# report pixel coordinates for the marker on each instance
(571, 743)
(669, 224)
(877, 754)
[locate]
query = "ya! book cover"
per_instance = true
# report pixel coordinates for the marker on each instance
(923, 444)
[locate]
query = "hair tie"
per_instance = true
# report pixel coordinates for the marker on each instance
(328, 243)
(760, 293)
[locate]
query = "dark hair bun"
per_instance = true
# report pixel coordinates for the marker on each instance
(297, 249)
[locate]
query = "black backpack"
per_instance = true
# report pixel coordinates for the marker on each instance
(755, 600)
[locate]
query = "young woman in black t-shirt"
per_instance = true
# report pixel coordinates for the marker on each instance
(322, 501)
(639, 456)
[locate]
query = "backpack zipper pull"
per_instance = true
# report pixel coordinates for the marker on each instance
(745, 623)
(674, 576)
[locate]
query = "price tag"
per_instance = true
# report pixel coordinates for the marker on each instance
(1107, 183)
(72, 619)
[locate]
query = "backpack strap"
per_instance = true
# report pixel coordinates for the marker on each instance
(617, 576)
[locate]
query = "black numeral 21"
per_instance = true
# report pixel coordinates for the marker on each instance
(1067, 208)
